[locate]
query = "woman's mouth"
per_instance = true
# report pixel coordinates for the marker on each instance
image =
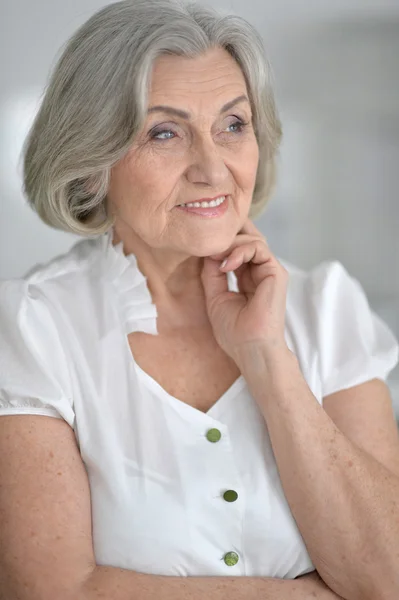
(214, 208)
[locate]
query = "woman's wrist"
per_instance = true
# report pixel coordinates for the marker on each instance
(256, 359)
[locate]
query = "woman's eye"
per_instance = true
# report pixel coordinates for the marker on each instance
(240, 124)
(155, 134)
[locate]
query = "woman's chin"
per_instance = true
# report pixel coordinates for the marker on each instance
(209, 250)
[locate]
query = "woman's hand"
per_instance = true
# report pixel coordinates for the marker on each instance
(257, 313)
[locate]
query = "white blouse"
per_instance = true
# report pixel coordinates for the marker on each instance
(174, 491)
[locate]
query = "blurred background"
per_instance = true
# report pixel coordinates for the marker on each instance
(336, 69)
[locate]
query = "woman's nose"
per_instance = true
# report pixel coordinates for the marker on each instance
(207, 164)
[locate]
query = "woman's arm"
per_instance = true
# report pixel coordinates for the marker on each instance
(120, 584)
(344, 500)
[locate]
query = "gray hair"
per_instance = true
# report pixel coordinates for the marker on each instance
(96, 102)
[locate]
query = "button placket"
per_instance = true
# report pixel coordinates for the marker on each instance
(230, 558)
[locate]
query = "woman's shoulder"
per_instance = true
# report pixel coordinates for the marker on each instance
(37, 313)
(75, 262)
(319, 274)
(308, 288)
(49, 289)
(324, 289)
(66, 272)
(328, 312)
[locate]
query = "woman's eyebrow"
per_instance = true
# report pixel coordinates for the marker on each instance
(186, 115)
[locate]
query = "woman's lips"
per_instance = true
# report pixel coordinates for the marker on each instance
(209, 211)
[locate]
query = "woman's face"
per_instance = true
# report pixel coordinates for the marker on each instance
(180, 158)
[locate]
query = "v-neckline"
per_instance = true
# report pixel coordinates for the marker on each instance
(139, 314)
(214, 411)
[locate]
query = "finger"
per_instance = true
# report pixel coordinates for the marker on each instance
(257, 252)
(214, 280)
(240, 240)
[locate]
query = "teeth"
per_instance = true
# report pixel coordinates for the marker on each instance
(212, 203)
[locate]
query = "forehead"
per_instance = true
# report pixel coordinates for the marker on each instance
(213, 73)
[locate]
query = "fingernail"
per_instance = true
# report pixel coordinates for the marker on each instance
(224, 263)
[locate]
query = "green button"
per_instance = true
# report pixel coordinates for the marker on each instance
(230, 496)
(231, 559)
(213, 435)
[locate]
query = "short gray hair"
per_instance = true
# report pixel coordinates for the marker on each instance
(96, 102)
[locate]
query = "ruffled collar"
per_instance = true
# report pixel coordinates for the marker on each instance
(134, 298)
(135, 302)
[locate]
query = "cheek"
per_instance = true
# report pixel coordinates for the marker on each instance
(135, 178)
(247, 165)
(139, 197)
(153, 170)
(252, 152)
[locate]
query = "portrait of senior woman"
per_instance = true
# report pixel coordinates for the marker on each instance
(184, 414)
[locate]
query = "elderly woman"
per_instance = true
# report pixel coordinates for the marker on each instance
(219, 412)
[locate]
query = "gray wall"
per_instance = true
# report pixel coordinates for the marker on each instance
(337, 81)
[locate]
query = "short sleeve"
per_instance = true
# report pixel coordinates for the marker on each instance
(354, 343)
(34, 376)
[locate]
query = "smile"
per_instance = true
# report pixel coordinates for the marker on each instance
(211, 204)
